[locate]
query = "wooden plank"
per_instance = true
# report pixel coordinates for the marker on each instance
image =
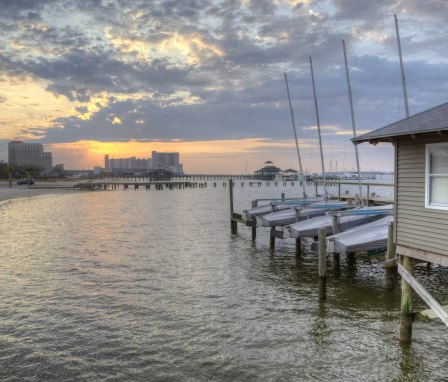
(424, 215)
(391, 263)
(423, 293)
(410, 181)
(412, 165)
(414, 221)
(411, 171)
(430, 230)
(420, 254)
(430, 314)
(411, 191)
(410, 204)
(419, 244)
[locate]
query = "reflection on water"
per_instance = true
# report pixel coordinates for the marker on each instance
(151, 285)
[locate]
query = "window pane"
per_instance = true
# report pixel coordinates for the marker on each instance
(438, 160)
(439, 190)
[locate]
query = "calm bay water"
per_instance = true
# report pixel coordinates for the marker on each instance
(151, 286)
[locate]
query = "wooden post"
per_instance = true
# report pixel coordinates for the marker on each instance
(254, 229)
(272, 238)
(339, 190)
(297, 213)
(233, 224)
(322, 265)
(367, 195)
(335, 224)
(254, 233)
(283, 196)
(298, 247)
(406, 303)
(390, 254)
(315, 183)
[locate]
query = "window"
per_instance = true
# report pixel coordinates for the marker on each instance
(437, 176)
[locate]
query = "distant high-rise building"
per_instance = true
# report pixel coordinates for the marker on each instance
(163, 161)
(167, 161)
(22, 154)
(48, 162)
(125, 164)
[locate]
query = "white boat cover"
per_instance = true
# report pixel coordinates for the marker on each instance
(288, 216)
(279, 206)
(309, 228)
(366, 237)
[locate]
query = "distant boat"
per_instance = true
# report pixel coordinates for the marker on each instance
(367, 237)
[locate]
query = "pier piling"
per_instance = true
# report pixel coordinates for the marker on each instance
(272, 238)
(233, 223)
(322, 265)
(391, 269)
(406, 303)
(298, 247)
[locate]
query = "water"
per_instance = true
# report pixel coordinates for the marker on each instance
(151, 286)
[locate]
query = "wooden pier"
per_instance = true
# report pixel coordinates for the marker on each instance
(157, 185)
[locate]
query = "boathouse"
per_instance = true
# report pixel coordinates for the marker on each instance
(421, 191)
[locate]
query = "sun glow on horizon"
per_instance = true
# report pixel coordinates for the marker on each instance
(209, 156)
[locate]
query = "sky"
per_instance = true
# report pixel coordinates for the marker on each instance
(206, 78)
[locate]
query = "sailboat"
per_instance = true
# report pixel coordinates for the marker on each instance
(284, 204)
(347, 220)
(372, 236)
(288, 216)
(274, 205)
(299, 213)
(364, 238)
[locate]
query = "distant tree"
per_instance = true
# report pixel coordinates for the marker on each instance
(31, 171)
(9, 170)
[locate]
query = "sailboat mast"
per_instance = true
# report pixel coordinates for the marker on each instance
(318, 129)
(403, 78)
(295, 136)
(349, 88)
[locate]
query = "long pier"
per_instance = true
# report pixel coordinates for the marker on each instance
(158, 185)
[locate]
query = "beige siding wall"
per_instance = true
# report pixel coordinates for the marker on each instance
(417, 226)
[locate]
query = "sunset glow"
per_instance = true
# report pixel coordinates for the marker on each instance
(127, 78)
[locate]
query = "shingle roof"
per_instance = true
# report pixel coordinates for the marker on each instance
(435, 119)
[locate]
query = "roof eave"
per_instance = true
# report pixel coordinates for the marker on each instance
(390, 138)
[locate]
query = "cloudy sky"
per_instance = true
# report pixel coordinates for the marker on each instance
(205, 77)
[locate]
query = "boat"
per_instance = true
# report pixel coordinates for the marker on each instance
(277, 205)
(296, 214)
(365, 238)
(347, 220)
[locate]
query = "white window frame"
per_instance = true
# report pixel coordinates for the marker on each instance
(427, 178)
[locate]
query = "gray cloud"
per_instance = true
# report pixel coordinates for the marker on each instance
(241, 93)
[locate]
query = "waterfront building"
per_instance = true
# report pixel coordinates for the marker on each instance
(47, 162)
(268, 172)
(289, 174)
(421, 194)
(167, 161)
(58, 169)
(22, 154)
(125, 164)
(159, 161)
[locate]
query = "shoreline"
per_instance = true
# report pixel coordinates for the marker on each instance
(38, 189)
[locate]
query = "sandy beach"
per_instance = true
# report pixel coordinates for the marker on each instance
(39, 188)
